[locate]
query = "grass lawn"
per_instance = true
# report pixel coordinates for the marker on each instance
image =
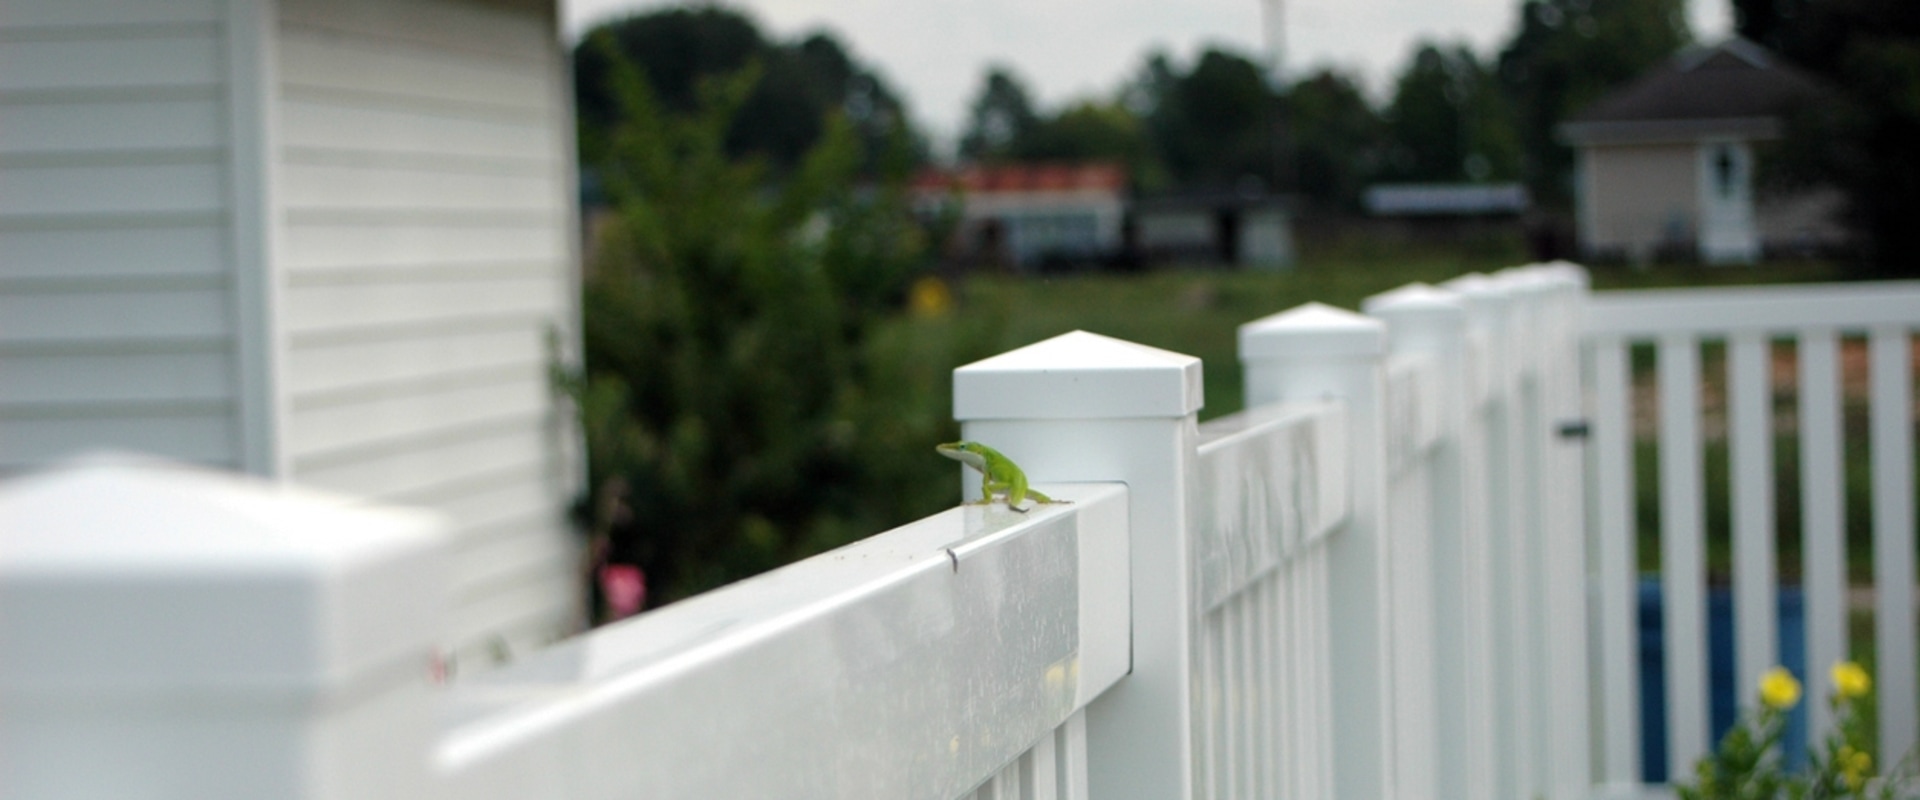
(1198, 311)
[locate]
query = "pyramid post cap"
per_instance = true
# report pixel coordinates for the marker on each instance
(1416, 299)
(1079, 375)
(143, 574)
(1479, 288)
(1313, 330)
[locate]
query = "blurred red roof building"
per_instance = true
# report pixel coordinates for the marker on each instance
(1024, 215)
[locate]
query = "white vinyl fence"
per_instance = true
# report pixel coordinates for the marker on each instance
(1779, 345)
(1372, 583)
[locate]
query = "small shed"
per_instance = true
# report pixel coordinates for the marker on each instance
(1241, 226)
(1666, 164)
(328, 242)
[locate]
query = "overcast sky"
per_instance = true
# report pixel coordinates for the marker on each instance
(935, 51)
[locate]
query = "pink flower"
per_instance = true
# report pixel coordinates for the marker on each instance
(625, 588)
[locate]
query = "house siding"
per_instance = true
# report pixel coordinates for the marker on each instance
(423, 178)
(116, 317)
(1637, 198)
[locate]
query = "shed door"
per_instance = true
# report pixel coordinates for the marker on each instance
(1726, 203)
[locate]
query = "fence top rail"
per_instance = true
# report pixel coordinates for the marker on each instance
(1647, 313)
(913, 663)
(1273, 482)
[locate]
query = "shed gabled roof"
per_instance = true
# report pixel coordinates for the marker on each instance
(1735, 88)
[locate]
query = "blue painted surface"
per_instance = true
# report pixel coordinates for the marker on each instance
(1724, 695)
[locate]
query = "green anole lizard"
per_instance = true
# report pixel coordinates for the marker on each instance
(998, 474)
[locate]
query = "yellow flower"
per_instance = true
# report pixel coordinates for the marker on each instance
(1779, 690)
(1850, 680)
(930, 297)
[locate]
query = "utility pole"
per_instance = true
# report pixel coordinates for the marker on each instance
(1273, 29)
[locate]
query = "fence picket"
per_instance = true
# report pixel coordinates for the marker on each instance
(1619, 617)
(1070, 758)
(1823, 535)
(1682, 546)
(1891, 376)
(1750, 443)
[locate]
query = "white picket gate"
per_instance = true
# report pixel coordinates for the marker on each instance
(1372, 583)
(1760, 331)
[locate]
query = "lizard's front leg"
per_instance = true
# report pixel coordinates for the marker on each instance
(990, 487)
(987, 488)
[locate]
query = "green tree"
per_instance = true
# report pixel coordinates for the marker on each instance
(1868, 141)
(1337, 139)
(1211, 125)
(1215, 124)
(739, 409)
(1448, 121)
(1090, 131)
(1564, 55)
(780, 118)
(1001, 117)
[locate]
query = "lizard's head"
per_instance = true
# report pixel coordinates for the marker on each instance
(972, 454)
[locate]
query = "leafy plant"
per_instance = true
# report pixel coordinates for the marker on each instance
(739, 409)
(1747, 763)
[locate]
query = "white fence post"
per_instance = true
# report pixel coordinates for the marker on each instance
(168, 632)
(1085, 407)
(1440, 569)
(1318, 353)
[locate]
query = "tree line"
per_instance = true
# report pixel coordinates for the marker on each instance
(1453, 114)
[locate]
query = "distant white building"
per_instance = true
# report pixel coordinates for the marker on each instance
(1024, 214)
(1666, 165)
(329, 242)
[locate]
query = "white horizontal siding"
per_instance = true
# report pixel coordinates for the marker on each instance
(115, 295)
(114, 188)
(416, 410)
(111, 125)
(322, 370)
(33, 437)
(417, 470)
(516, 31)
(28, 379)
(343, 245)
(424, 185)
(311, 59)
(112, 316)
(522, 616)
(313, 309)
(65, 60)
(502, 555)
(491, 500)
(410, 188)
(327, 122)
(27, 16)
(515, 551)
(83, 251)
